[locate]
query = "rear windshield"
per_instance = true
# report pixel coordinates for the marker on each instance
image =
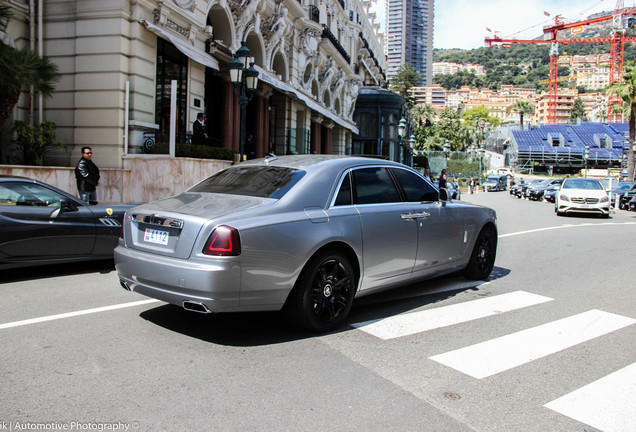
(256, 181)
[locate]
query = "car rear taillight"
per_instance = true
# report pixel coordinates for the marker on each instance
(224, 241)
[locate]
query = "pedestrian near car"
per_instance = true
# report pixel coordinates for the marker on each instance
(442, 179)
(250, 148)
(427, 173)
(472, 185)
(87, 176)
(199, 136)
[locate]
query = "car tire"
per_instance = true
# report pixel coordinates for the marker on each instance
(482, 258)
(324, 292)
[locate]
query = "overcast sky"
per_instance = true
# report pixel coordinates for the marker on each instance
(463, 23)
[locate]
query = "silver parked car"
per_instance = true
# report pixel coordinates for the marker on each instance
(305, 234)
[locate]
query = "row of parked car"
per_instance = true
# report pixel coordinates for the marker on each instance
(591, 194)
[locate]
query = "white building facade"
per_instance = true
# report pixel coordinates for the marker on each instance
(118, 61)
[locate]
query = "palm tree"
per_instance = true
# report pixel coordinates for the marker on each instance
(626, 89)
(423, 113)
(467, 134)
(521, 107)
(21, 70)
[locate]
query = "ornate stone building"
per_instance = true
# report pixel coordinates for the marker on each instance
(118, 59)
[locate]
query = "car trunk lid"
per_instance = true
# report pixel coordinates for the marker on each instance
(172, 226)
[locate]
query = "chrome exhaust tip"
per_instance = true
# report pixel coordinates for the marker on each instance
(124, 285)
(196, 307)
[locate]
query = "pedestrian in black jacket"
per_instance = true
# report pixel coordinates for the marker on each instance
(87, 176)
(199, 136)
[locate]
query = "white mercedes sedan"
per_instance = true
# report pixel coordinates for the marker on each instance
(582, 195)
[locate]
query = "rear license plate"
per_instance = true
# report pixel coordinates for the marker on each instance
(156, 236)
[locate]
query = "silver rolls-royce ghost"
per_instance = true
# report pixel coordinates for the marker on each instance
(303, 234)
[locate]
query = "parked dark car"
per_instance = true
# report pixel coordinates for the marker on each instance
(515, 187)
(535, 191)
(496, 182)
(627, 196)
(550, 192)
(631, 206)
(618, 191)
(40, 224)
(520, 192)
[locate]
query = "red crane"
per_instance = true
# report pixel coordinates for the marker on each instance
(617, 41)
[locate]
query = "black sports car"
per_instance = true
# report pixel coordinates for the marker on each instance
(40, 224)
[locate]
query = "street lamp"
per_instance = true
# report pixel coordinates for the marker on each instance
(447, 149)
(586, 156)
(402, 129)
(402, 136)
(244, 77)
(481, 152)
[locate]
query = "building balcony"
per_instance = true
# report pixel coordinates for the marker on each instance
(327, 34)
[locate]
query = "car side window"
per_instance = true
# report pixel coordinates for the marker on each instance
(344, 194)
(415, 187)
(8, 196)
(374, 186)
(24, 194)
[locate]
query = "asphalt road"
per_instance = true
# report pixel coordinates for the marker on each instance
(547, 344)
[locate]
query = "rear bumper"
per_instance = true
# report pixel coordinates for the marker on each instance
(213, 283)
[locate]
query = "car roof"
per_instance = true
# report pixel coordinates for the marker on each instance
(9, 177)
(307, 162)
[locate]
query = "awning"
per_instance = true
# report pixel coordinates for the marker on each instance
(194, 53)
(272, 80)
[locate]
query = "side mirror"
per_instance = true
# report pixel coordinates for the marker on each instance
(67, 205)
(444, 195)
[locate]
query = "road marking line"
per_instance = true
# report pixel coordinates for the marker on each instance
(608, 404)
(564, 226)
(76, 313)
(417, 322)
(497, 355)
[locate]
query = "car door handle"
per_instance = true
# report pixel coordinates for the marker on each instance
(411, 216)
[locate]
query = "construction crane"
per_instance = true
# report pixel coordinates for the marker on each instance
(551, 36)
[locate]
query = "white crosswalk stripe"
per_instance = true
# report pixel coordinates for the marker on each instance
(608, 404)
(497, 355)
(417, 322)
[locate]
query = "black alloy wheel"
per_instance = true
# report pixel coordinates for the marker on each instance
(324, 292)
(482, 259)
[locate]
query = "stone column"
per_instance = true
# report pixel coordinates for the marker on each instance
(327, 136)
(316, 134)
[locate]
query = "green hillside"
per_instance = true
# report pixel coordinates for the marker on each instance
(522, 65)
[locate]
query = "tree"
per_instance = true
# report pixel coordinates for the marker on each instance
(479, 115)
(578, 111)
(402, 82)
(21, 70)
(467, 135)
(627, 91)
(423, 114)
(424, 126)
(521, 107)
(448, 128)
